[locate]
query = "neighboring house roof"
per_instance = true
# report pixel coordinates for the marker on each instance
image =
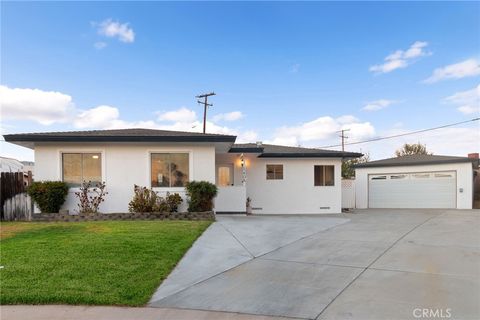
(413, 160)
(276, 151)
(118, 135)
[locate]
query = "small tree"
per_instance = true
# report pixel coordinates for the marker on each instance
(348, 170)
(410, 149)
(89, 204)
(201, 194)
(48, 195)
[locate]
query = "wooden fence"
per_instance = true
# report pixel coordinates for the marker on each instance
(15, 204)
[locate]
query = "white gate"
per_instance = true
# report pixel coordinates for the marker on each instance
(348, 193)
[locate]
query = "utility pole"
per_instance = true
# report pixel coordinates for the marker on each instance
(343, 136)
(205, 106)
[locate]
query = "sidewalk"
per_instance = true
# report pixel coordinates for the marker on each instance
(63, 312)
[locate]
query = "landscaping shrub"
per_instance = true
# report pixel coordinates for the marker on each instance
(173, 201)
(201, 194)
(147, 200)
(144, 200)
(89, 204)
(48, 195)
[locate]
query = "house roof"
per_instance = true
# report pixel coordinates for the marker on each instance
(413, 160)
(276, 151)
(118, 135)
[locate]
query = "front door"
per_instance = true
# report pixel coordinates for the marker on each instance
(225, 175)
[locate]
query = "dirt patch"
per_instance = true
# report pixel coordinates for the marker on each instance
(8, 230)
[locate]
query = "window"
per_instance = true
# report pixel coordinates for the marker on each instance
(421, 175)
(79, 167)
(225, 175)
(324, 175)
(274, 171)
(169, 169)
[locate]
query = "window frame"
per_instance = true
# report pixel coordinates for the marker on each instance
(61, 152)
(274, 171)
(324, 175)
(149, 168)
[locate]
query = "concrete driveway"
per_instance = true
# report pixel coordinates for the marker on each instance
(372, 264)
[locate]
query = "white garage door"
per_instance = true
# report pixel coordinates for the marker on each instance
(412, 190)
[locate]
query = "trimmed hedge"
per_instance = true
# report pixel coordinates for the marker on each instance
(48, 195)
(201, 194)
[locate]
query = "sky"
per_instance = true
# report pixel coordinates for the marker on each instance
(284, 73)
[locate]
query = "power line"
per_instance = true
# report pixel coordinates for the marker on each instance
(402, 134)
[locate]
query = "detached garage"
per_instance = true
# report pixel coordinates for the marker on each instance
(416, 181)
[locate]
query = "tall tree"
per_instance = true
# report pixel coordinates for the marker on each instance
(414, 148)
(348, 171)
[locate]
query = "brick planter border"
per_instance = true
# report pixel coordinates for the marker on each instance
(62, 217)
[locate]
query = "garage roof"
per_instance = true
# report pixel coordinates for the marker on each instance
(414, 160)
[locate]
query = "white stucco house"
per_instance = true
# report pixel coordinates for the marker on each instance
(277, 179)
(415, 181)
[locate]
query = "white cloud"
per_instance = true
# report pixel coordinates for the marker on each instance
(98, 117)
(181, 115)
(312, 133)
(99, 45)
(402, 58)
(115, 29)
(467, 68)
(378, 104)
(230, 116)
(468, 102)
(44, 107)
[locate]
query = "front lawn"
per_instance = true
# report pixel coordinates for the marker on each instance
(105, 263)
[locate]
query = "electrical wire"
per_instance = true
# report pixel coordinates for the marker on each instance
(402, 134)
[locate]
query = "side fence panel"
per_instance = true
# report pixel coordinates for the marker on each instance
(15, 204)
(348, 193)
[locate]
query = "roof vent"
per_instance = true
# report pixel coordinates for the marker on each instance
(259, 143)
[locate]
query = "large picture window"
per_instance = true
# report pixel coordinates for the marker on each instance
(274, 171)
(169, 169)
(79, 167)
(324, 175)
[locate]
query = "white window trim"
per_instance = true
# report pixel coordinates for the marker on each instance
(60, 153)
(149, 169)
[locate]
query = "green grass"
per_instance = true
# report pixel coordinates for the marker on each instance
(94, 263)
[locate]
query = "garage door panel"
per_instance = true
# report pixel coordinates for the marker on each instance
(418, 190)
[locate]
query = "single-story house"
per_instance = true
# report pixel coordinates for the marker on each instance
(415, 181)
(277, 179)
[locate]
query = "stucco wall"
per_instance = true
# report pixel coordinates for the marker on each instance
(123, 165)
(296, 193)
(464, 180)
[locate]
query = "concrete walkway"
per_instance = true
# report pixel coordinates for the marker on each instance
(375, 264)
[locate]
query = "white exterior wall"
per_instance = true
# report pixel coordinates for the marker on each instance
(464, 180)
(296, 193)
(123, 166)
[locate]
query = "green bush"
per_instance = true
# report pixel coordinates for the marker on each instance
(201, 194)
(48, 195)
